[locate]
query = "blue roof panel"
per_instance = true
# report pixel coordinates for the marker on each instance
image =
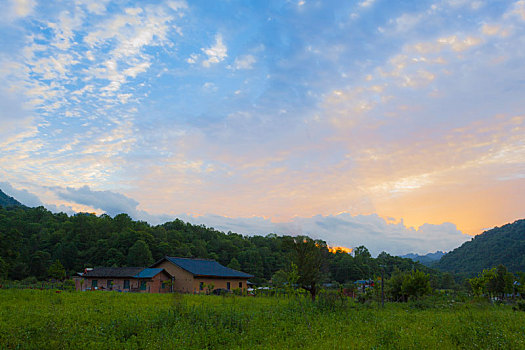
(205, 267)
(148, 273)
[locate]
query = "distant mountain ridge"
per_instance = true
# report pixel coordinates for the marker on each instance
(6, 201)
(500, 245)
(427, 259)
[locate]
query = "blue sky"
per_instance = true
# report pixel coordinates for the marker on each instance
(398, 125)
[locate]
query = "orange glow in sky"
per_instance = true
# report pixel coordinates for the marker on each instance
(339, 249)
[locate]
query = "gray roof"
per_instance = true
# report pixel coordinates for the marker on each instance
(206, 267)
(113, 272)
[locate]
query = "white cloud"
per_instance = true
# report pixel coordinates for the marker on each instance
(23, 196)
(217, 53)
(192, 59)
(22, 8)
(244, 62)
(97, 7)
(518, 9)
(366, 3)
(372, 231)
(407, 22)
(209, 86)
(110, 202)
(494, 29)
(65, 27)
(458, 44)
(177, 5)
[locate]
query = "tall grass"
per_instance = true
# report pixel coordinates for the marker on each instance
(32, 319)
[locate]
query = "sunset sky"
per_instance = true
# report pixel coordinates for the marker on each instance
(398, 125)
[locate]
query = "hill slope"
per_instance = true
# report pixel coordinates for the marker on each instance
(501, 245)
(6, 201)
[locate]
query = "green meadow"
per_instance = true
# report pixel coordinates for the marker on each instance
(35, 319)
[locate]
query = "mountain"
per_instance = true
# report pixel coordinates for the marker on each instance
(6, 201)
(500, 245)
(427, 259)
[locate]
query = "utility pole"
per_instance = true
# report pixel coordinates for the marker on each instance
(383, 286)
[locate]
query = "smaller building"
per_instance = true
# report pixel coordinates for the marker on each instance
(125, 279)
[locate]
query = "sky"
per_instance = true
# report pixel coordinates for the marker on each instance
(398, 125)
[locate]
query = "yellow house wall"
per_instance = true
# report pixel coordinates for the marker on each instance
(218, 283)
(183, 279)
(185, 282)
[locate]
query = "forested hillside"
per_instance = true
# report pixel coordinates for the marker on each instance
(32, 239)
(501, 245)
(6, 201)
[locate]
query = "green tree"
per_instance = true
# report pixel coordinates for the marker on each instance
(234, 264)
(501, 281)
(308, 256)
(408, 285)
(18, 271)
(114, 258)
(139, 254)
(447, 281)
(280, 278)
(4, 269)
(477, 285)
(496, 281)
(57, 271)
(417, 284)
(39, 262)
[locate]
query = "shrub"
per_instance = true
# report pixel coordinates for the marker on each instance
(520, 305)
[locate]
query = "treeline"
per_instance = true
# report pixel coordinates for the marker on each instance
(33, 240)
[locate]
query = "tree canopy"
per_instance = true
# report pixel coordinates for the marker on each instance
(33, 239)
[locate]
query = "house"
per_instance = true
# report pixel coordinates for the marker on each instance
(200, 275)
(125, 279)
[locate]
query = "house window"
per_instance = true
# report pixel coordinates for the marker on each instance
(142, 285)
(126, 284)
(94, 284)
(201, 286)
(228, 285)
(240, 285)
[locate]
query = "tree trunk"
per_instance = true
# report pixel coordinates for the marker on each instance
(313, 291)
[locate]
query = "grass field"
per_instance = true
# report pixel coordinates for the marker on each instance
(34, 319)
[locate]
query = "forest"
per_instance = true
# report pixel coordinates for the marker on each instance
(35, 240)
(500, 245)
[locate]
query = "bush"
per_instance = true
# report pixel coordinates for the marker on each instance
(520, 305)
(29, 281)
(68, 285)
(330, 300)
(409, 285)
